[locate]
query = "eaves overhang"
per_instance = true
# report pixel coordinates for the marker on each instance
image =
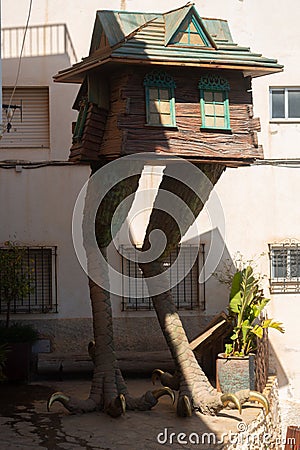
(77, 73)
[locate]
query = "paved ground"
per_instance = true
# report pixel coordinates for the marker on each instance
(26, 424)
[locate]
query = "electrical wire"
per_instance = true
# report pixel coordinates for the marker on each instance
(20, 58)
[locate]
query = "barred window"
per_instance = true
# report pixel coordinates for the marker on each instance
(285, 268)
(40, 264)
(188, 294)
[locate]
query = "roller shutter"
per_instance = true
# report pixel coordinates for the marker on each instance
(30, 129)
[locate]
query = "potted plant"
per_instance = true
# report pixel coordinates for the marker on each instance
(236, 366)
(15, 284)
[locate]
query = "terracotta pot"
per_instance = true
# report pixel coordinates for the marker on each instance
(235, 373)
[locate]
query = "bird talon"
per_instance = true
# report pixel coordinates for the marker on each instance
(184, 407)
(227, 398)
(164, 391)
(260, 398)
(58, 397)
(156, 374)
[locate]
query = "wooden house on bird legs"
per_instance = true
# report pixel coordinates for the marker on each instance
(171, 83)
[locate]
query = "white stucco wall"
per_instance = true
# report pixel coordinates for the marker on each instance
(259, 203)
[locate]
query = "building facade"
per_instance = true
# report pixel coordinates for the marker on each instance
(259, 202)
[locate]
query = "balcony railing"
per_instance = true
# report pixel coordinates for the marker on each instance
(41, 40)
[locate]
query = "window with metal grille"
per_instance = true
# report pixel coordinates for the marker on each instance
(187, 294)
(214, 102)
(160, 99)
(40, 264)
(285, 103)
(285, 268)
(29, 120)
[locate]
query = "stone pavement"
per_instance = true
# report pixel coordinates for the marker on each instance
(26, 424)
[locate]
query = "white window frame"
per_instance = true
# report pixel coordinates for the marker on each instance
(286, 90)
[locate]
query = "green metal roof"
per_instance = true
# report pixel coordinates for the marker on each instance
(143, 37)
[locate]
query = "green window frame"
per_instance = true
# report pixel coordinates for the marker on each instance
(160, 99)
(214, 102)
(82, 115)
(190, 33)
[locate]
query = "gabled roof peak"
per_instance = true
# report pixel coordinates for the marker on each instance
(181, 19)
(178, 37)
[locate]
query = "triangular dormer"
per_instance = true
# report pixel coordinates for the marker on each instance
(184, 27)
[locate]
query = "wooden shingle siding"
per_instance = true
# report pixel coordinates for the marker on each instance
(187, 139)
(123, 130)
(88, 148)
(112, 142)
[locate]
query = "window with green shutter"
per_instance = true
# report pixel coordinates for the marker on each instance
(160, 99)
(81, 119)
(214, 102)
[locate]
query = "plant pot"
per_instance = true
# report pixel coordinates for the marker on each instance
(235, 373)
(17, 365)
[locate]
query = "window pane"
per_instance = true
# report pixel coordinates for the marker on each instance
(195, 39)
(208, 96)
(154, 106)
(220, 122)
(154, 119)
(218, 97)
(278, 104)
(209, 121)
(209, 109)
(295, 263)
(279, 264)
(165, 107)
(183, 39)
(294, 104)
(164, 94)
(219, 110)
(193, 28)
(165, 119)
(153, 93)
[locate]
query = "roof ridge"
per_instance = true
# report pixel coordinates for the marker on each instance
(180, 7)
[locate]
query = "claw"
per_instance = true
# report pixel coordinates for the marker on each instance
(184, 407)
(227, 398)
(164, 391)
(156, 374)
(91, 350)
(117, 406)
(260, 398)
(187, 406)
(123, 403)
(58, 397)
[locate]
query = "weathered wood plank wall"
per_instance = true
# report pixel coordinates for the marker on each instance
(123, 130)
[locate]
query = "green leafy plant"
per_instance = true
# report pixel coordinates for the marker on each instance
(246, 304)
(17, 332)
(15, 278)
